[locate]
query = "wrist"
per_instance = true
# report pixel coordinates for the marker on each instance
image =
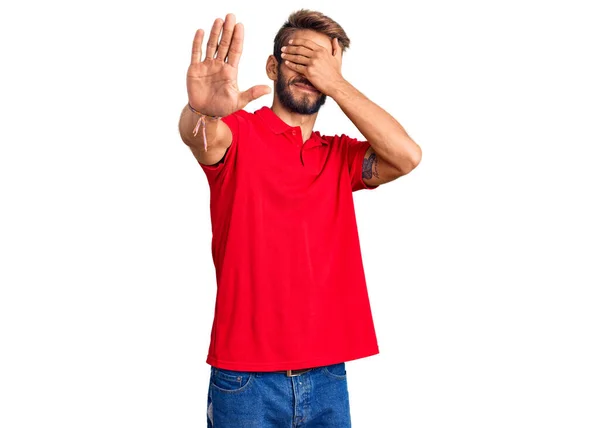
(343, 90)
(201, 124)
(201, 114)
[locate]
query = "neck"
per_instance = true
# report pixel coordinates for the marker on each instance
(304, 121)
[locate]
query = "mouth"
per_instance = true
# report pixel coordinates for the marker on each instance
(306, 87)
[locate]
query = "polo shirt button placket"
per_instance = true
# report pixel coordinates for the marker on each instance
(294, 133)
(298, 144)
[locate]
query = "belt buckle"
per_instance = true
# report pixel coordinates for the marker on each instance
(289, 373)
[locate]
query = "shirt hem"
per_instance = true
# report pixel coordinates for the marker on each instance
(290, 365)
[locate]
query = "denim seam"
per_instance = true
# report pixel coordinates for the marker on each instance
(233, 391)
(333, 375)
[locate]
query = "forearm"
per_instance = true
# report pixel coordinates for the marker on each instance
(387, 137)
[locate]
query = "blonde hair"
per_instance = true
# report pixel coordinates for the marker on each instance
(305, 19)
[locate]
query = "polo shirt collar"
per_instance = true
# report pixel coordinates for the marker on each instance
(278, 126)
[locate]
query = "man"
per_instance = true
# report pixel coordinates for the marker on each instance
(292, 303)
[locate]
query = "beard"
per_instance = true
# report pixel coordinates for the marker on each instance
(304, 104)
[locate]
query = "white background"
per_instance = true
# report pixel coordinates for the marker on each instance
(482, 264)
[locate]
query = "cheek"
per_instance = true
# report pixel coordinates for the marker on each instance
(288, 74)
(289, 79)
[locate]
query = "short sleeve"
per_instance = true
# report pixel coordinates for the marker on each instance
(216, 172)
(356, 151)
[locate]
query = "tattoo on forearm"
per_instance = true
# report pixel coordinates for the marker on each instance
(370, 167)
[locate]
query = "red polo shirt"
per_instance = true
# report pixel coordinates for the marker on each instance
(291, 290)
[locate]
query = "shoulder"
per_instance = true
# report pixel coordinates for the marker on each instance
(241, 118)
(341, 140)
(237, 116)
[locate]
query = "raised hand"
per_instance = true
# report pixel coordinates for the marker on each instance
(323, 68)
(212, 83)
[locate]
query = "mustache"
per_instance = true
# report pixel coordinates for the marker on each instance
(302, 81)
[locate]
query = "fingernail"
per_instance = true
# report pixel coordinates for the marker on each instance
(290, 42)
(283, 48)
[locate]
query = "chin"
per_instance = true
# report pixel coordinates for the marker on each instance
(296, 100)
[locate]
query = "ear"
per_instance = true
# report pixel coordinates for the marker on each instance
(337, 49)
(272, 67)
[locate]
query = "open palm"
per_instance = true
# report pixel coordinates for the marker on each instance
(212, 82)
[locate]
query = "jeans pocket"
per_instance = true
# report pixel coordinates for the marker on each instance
(336, 371)
(230, 380)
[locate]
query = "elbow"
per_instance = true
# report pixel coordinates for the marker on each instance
(416, 156)
(409, 161)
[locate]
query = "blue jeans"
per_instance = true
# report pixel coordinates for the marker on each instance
(317, 398)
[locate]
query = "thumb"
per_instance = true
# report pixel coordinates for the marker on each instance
(254, 93)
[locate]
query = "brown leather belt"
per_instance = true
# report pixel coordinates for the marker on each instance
(292, 373)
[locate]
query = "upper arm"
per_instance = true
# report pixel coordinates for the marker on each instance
(367, 170)
(375, 170)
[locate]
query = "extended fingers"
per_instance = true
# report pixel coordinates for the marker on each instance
(298, 59)
(213, 40)
(197, 46)
(300, 68)
(225, 42)
(237, 43)
(308, 44)
(297, 50)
